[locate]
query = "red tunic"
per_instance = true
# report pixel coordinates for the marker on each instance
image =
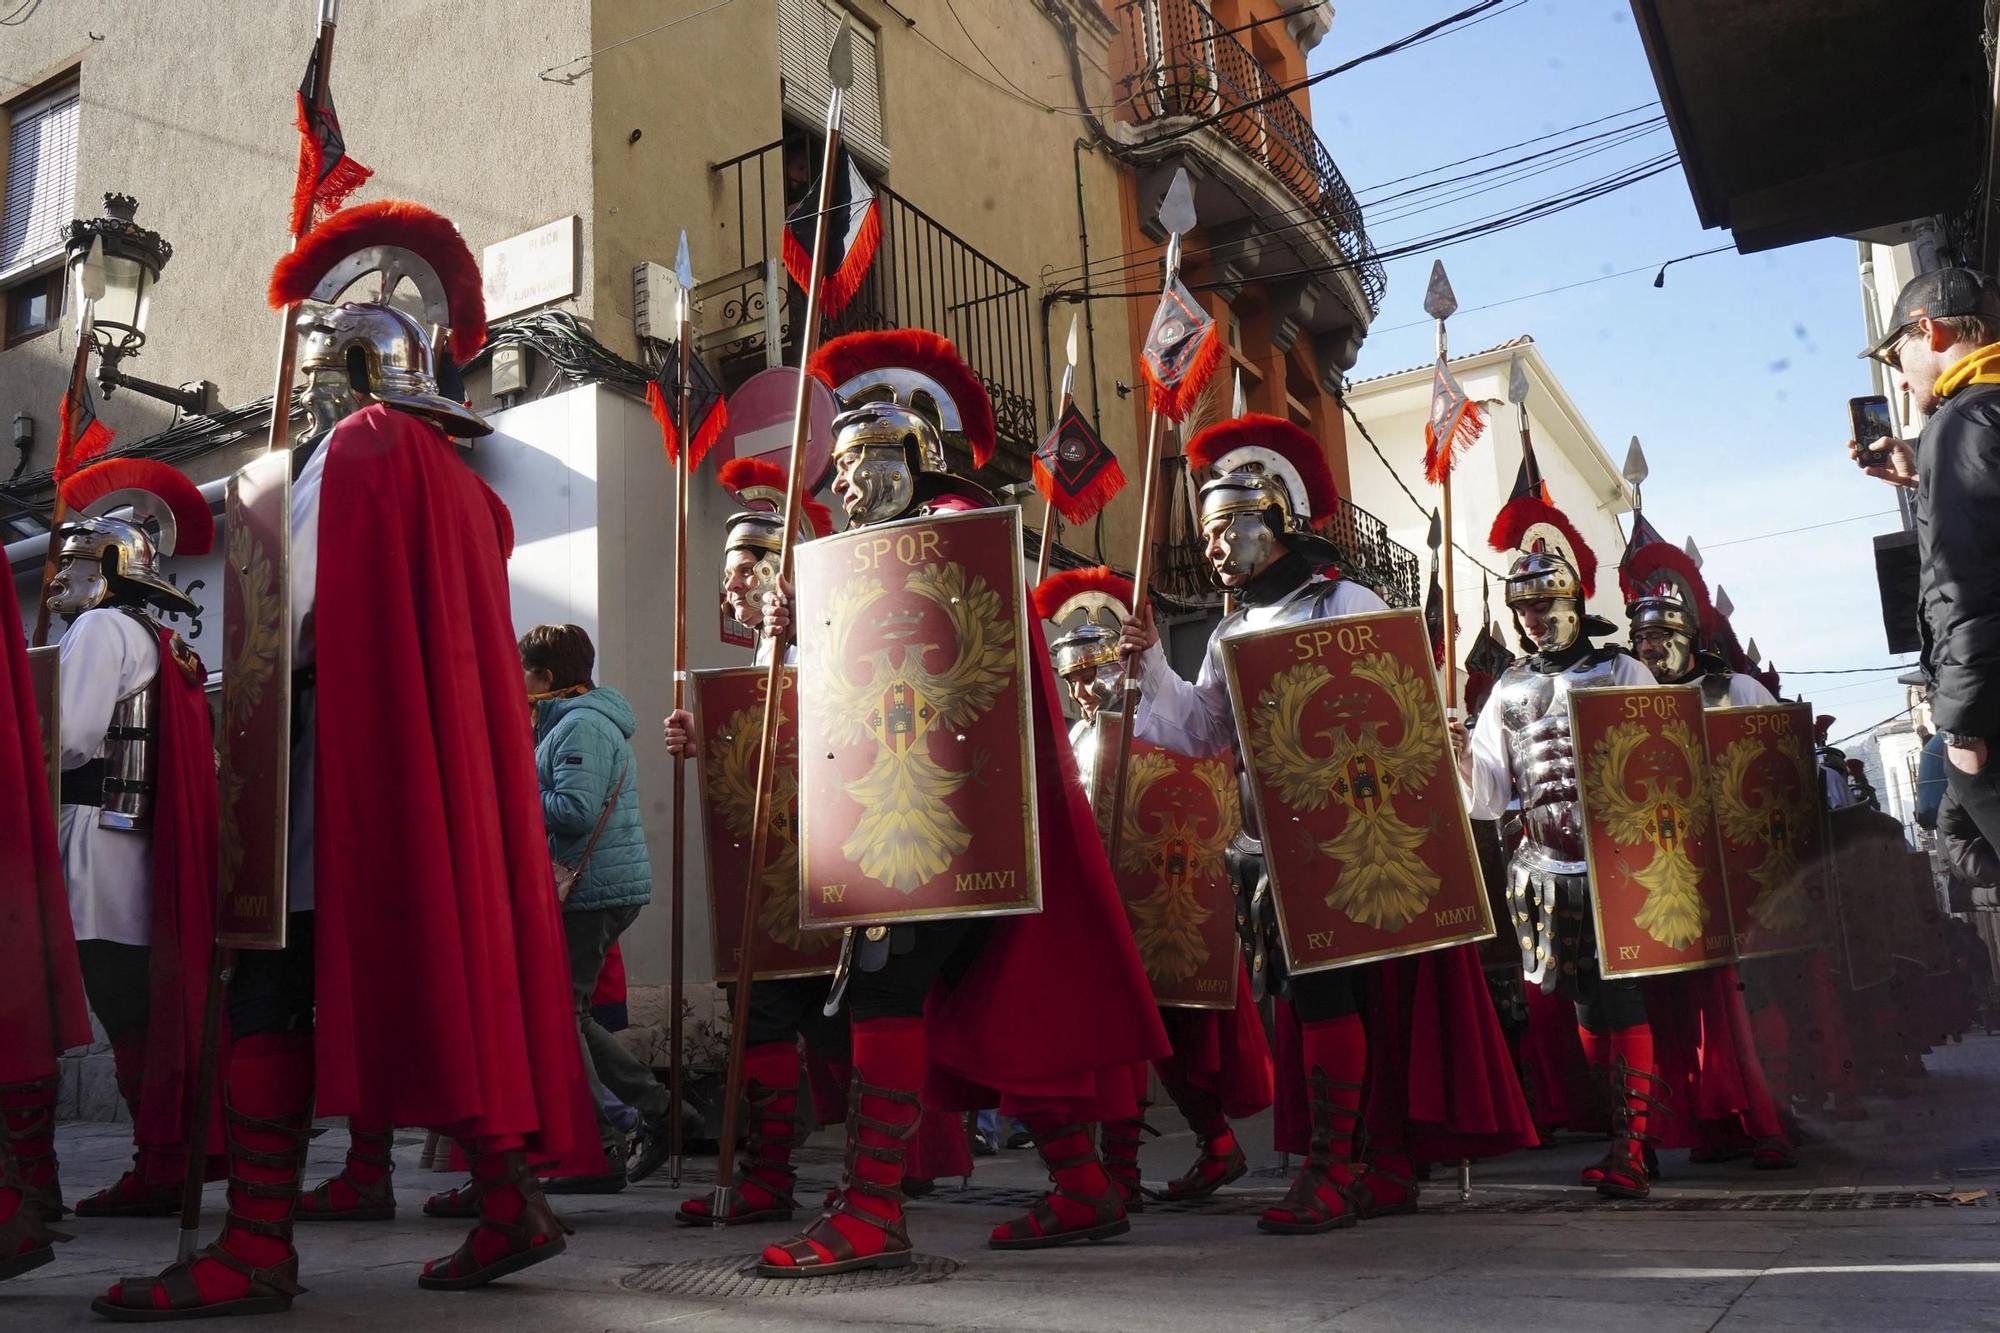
(42, 1010)
(183, 933)
(1224, 1053)
(443, 983)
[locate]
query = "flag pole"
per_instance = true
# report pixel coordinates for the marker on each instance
(840, 72)
(677, 893)
(58, 511)
(1051, 520)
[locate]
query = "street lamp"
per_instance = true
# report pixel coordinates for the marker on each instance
(120, 261)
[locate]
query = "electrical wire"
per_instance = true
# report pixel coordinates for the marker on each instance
(1810, 527)
(1834, 745)
(1508, 148)
(545, 75)
(1546, 291)
(560, 338)
(22, 13)
(1854, 671)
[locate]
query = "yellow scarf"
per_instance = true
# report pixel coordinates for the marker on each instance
(535, 701)
(1980, 367)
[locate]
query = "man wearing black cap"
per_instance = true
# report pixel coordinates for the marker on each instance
(1944, 345)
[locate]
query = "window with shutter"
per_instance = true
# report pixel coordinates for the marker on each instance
(806, 29)
(40, 188)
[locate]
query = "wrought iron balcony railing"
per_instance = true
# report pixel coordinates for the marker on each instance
(923, 276)
(1186, 66)
(1364, 550)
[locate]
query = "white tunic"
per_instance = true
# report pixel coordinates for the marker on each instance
(1746, 692)
(1195, 717)
(105, 655)
(1492, 773)
(304, 580)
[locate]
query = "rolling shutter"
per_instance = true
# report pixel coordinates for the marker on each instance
(40, 196)
(806, 29)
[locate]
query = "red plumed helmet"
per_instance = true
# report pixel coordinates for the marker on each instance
(759, 485)
(1533, 526)
(433, 256)
(1068, 591)
(193, 525)
(1662, 569)
(911, 367)
(1273, 447)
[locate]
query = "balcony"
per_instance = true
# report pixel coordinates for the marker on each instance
(1264, 157)
(1364, 551)
(923, 276)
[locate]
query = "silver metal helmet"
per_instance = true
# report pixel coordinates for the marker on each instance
(1271, 486)
(363, 352)
(1675, 659)
(878, 449)
(1547, 575)
(751, 548)
(131, 515)
(903, 394)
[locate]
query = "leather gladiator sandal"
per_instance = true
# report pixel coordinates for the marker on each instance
(130, 1195)
(26, 1240)
(872, 1171)
(511, 1210)
(1306, 1210)
(368, 1195)
(460, 1202)
(269, 1288)
(763, 1191)
(1096, 1215)
(28, 1113)
(1119, 1142)
(1626, 1171)
(1387, 1185)
(1222, 1161)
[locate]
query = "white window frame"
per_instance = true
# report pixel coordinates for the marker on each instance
(54, 211)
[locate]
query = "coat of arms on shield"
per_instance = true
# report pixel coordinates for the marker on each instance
(1769, 825)
(1180, 814)
(1365, 835)
(917, 780)
(1655, 881)
(728, 707)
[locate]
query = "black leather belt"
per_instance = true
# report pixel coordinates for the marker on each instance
(84, 785)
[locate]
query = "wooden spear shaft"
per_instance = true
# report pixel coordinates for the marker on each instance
(767, 752)
(1450, 628)
(677, 894)
(1142, 575)
(1051, 528)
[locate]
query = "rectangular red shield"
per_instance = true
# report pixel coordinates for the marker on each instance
(256, 733)
(45, 679)
(917, 774)
(1655, 883)
(1365, 835)
(1866, 853)
(1769, 824)
(728, 708)
(1180, 814)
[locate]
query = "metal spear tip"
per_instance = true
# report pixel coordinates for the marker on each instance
(840, 62)
(1435, 538)
(1177, 213)
(1238, 405)
(1723, 605)
(1439, 303)
(1517, 380)
(683, 269)
(1635, 463)
(1693, 552)
(1070, 346)
(1752, 653)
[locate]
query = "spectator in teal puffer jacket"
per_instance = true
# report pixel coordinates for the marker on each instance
(583, 748)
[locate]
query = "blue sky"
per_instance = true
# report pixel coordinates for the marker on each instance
(1735, 375)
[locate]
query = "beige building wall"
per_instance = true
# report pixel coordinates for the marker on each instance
(188, 105)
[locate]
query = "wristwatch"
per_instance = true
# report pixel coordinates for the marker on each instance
(1959, 740)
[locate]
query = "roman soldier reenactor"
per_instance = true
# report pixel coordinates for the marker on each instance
(1712, 1066)
(1522, 747)
(1449, 1097)
(1043, 1013)
(1221, 1062)
(138, 822)
(424, 980)
(42, 1009)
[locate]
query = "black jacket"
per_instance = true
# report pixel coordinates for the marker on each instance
(1958, 549)
(1967, 854)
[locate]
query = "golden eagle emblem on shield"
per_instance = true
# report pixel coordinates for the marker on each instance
(1773, 823)
(1364, 765)
(894, 701)
(1179, 851)
(731, 771)
(1667, 811)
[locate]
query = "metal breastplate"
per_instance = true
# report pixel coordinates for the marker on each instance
(131, 760)
(1534, 711)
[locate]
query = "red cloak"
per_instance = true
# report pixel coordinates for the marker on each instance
(1056, 1008)
(443, 982)
(1439, 1070)
(1707, 1055)
(42, 1010)
(183, 935)
(1222, 1052)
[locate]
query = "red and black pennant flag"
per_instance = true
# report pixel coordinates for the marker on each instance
(327, 175)
(853, 234)
(1075, 470)
(1183, 349)
(81, 436)
(1455, 422)
(706, 406)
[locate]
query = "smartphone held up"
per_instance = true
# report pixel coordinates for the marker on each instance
(1869, 419)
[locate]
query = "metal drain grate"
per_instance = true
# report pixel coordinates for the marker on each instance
(730, 1279)
(1832, 1202)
